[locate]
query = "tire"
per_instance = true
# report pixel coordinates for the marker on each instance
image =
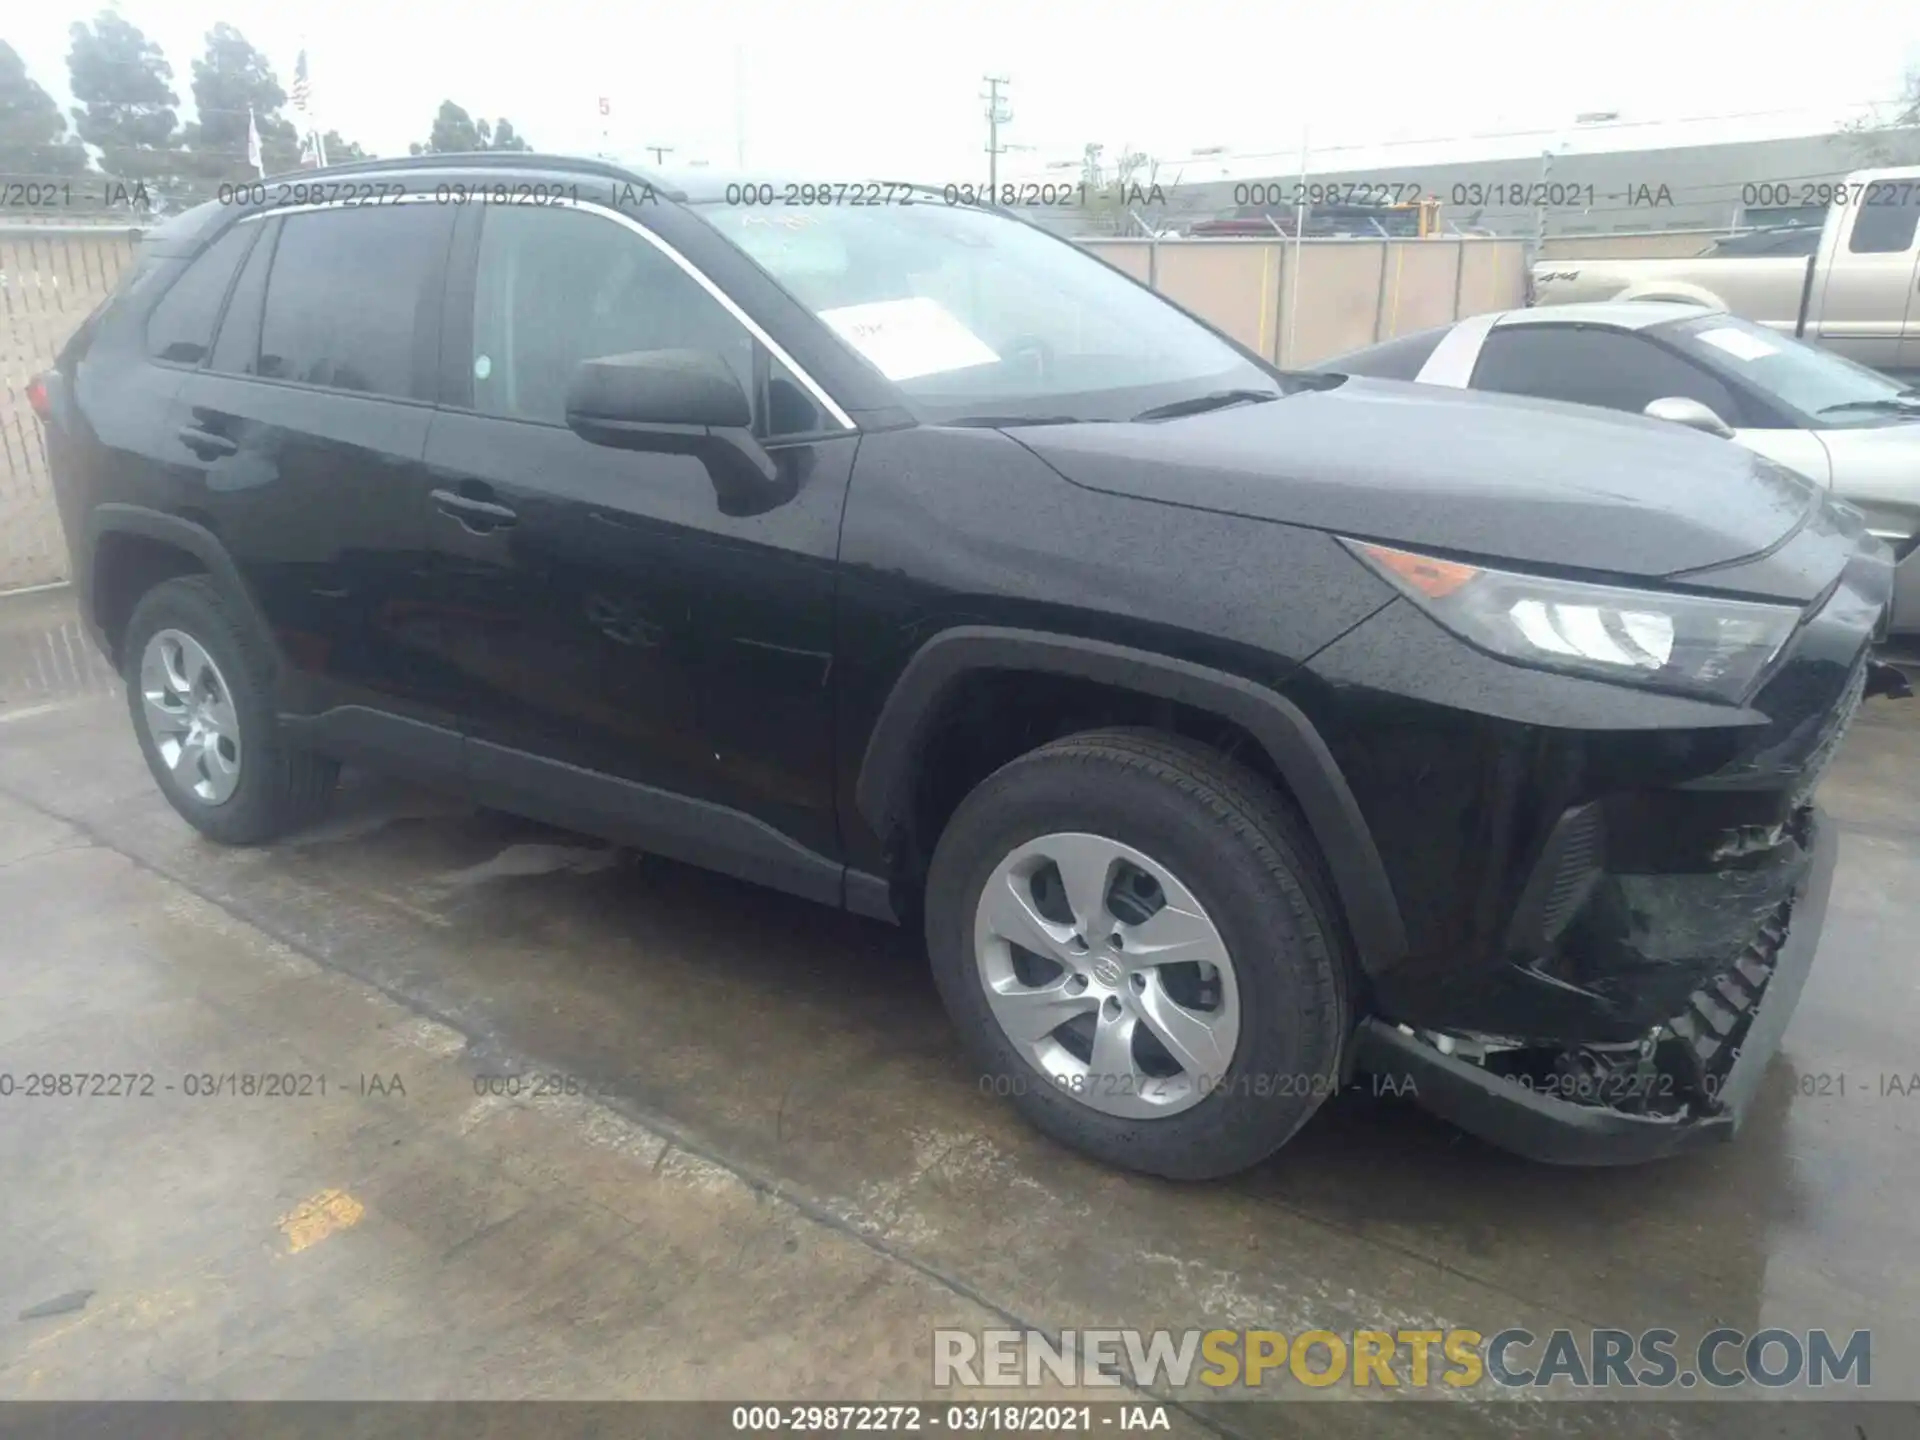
(1235, 846)
(271, 787)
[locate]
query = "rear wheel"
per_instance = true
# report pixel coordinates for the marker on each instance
(1133, 936)
(197, 687)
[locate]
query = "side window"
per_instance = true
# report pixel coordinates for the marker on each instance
(557, 286)
(1793, 240)
(789, 409)
(180, 328)
(1397, 359)
(344, 306)
(237, 350)
(1591, 366)
(1882, 228)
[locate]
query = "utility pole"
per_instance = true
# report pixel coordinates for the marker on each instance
(1540, 210)
(999, 112)
(659, 152)
(1299, 234)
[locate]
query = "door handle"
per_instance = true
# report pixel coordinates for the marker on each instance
(205, 443)
(476, 514)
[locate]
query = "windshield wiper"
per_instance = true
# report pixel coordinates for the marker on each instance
(1217, 400)
(998, 422)
(1907, 402)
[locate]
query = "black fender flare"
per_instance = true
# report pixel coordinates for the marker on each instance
(884, 788)
(182, 534)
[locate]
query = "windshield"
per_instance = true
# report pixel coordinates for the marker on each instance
(1826, 391)
(974, 314)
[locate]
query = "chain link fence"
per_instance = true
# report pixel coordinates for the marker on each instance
(52, 275)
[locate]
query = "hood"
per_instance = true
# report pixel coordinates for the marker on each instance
(1496, 477)
(1876, 468)
(1881, 457)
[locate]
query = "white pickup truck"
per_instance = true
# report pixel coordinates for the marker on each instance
(1855, 293)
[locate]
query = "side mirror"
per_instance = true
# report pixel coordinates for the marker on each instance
(678, 402)
(1680, 410)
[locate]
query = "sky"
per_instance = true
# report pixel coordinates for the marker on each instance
(839, 91)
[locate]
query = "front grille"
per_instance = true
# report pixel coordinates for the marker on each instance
(1719, 1013)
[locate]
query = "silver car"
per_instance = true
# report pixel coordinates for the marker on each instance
(1838, 423)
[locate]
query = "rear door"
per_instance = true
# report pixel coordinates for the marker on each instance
(112, 438)
(300, 442)
(1867, 309)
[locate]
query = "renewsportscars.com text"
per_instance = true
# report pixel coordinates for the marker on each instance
(1453, 1359)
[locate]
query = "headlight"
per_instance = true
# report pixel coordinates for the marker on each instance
(1693, 644)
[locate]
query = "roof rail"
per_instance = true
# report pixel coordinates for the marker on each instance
(493, 160)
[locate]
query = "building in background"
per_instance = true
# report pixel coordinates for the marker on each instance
(1717, 187)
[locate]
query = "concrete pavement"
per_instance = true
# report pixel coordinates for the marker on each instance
(766, 1171)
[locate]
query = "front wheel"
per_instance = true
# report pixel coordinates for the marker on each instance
(1132, 935)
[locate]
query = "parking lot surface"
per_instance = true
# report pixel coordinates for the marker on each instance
(743, 1157)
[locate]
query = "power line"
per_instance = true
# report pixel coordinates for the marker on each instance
(1699, 192)
(1290, 157)
(999, 113)
(1563, 130)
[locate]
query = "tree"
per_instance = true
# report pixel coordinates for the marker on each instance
(504, 136)
(1909, 103)
(33, 132)
(124, 85)
(1114, 192)
(1091, 174)
(1890, 140)
(455, 132)
(339, 150)
(229, 81)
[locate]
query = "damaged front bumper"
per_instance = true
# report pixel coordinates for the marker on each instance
(1695, 1075)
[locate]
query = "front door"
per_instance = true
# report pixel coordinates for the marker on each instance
(653, 666)
(1867, 309)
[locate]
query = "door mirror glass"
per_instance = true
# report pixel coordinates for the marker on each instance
(1679, 410)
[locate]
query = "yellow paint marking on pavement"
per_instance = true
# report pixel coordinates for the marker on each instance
(311, 1221)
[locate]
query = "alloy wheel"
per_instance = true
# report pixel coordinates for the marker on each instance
(1107, 974)
(190, 716)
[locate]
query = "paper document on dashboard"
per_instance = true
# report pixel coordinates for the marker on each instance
(1741, 344)
(905, 338)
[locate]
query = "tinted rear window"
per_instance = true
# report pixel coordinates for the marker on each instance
(344, 297)
(238, 346)
(181, 326)
(1398, 359)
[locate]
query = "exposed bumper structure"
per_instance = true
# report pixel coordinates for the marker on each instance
(1726, 1035)
(1904, 612)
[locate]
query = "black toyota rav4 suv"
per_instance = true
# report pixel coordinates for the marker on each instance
(1229, 730)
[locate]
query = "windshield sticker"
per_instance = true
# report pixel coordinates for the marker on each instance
(1741, 344)
(906, 338)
